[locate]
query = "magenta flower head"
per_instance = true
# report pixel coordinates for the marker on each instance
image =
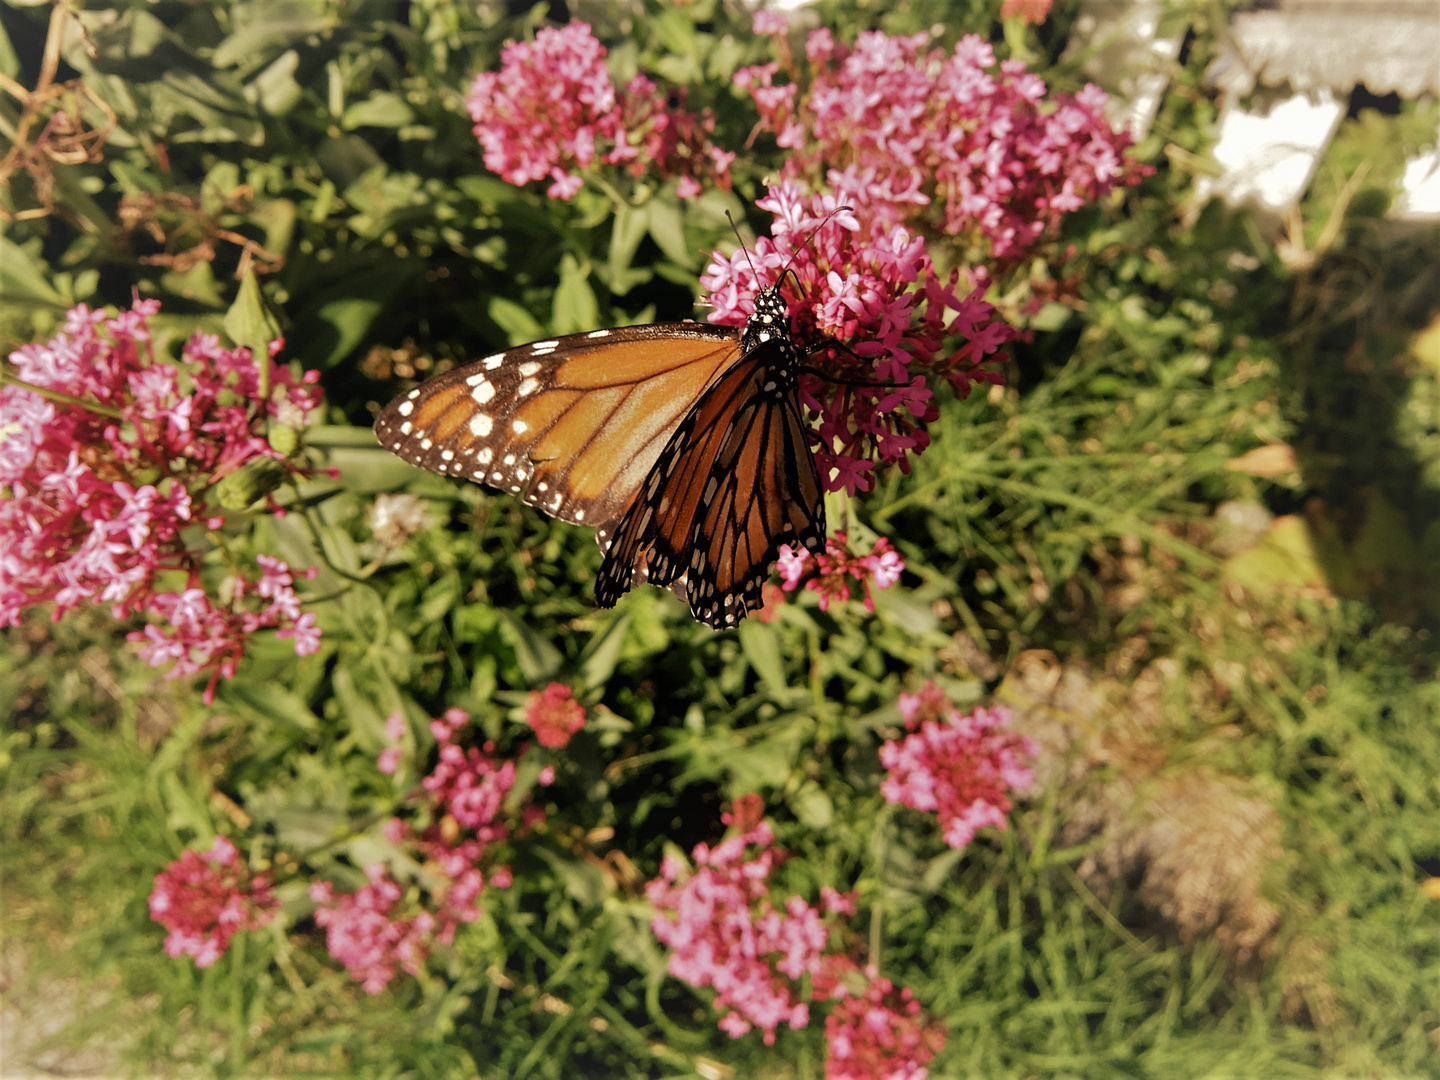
(880, 1035)
(868, 298)
(108, 452)
(961, 768)
(554, 715)
(553, 112)
(385, 927)
(835, 569)
(204, 900)
(899, 128)
(727, 933)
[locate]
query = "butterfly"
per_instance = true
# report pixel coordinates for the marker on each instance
(683, 444)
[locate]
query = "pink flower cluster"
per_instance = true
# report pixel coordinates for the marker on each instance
(868, 294)
(108, 452)
(380, 929)
(881, 1034)
(960, 768)
(727, 933)
(898, 128)
(552, 110)
(830, 573)
(554, 715)
(203, 900)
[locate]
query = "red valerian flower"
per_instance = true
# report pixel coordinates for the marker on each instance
(552, 111)
(109, 452)
(871, 300)
(204, 900)
(962, 768)
(894, 127)
(729, 934)
(380, 929)
(831, 572)
(1032, 11)
(881, 1034)
(554, 715)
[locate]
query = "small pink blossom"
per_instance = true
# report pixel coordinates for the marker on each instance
(879, 1035)
(881, 319)
(382, 929)
(1032, 11)
(960, 768)
(727, 934)
(203, 900)
(837, 567)
(894, 127)
(554, 715)
(553, 112)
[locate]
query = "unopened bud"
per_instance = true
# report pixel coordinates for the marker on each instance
(250, 482)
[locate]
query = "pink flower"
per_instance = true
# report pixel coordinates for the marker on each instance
(361, 933)
(552, 111)
(382, 928)
(727, 934)
(837, 567)
(94, 500)
(768, 21)
(960, 768)
(872, 304)
(894, 128)
(389, 760)
(203, 900)
(880, 1035)
(554, 715)
(1032, 11)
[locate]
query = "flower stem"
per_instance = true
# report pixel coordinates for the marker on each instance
(55, 395)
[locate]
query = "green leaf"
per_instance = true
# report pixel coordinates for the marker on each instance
(519, 325)
(601, 655)
(22, 279)
(275, 88)
(575, 306)
(380, 109)
(359, 712)
(249, 322)
(762, 648)
(667, 229)
(266, 25)
(538, 659)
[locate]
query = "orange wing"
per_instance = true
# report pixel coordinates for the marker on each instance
(573, 424)
(736, 480)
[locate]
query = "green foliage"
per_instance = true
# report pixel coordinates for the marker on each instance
(1073, 511)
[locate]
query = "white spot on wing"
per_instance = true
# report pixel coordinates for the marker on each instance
(413, 393)
(406, 408)
(520, 427)
(405, 428)
(530, 367)
(481, 424)
(483, 392)
(492, 362)
(529, 386)
(545, 346)
(598, 333)
(484, 456)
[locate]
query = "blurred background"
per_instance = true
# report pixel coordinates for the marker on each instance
(1193, 543)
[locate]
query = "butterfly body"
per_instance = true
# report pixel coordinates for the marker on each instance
(683, 444)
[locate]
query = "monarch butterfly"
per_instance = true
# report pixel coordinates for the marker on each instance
(682, 443)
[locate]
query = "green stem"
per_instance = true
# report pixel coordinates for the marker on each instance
(62, 398)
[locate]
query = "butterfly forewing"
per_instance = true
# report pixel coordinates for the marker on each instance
(573, 424)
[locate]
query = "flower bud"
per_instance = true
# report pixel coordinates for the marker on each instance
(251, 482)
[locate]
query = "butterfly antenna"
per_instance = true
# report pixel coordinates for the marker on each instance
(808, 240)
(736, 229)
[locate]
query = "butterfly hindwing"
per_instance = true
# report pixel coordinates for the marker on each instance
(735, 481)
(767, 493)
(572, 424)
